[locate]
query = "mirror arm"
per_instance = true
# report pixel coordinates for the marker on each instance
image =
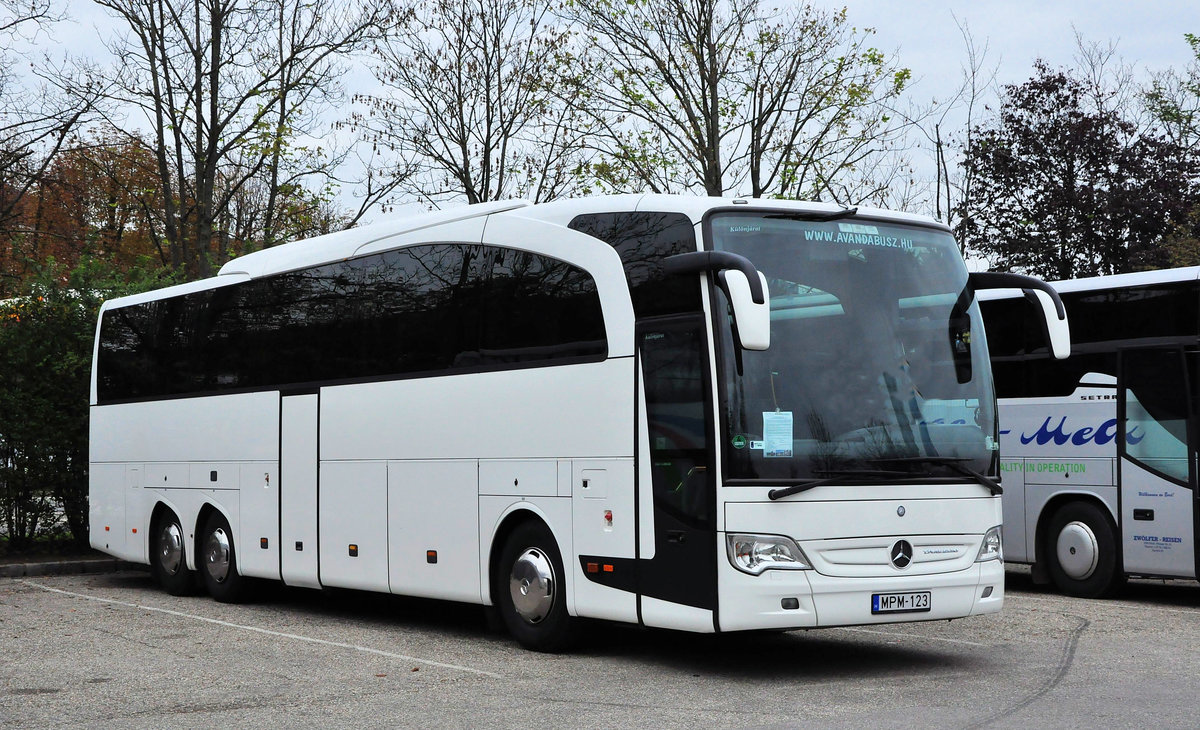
(695, 262)
(998, 280)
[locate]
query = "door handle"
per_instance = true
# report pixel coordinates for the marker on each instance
(676, 536)
(1144, 514)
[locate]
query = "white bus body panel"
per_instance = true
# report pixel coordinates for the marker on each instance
(170, 451)
(298, 491)
(1050, 447)
(431, 507)
(603, 524)
(581, 411)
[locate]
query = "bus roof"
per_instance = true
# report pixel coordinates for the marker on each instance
(1113, 281)
(345, 244)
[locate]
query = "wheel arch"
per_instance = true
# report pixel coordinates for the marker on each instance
(517, 515)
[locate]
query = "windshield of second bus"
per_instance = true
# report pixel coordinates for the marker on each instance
(873, 366)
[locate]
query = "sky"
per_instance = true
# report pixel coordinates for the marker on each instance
(925, 36)
(1148, 34)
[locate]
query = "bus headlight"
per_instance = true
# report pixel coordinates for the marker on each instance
(755, 553)
(991, 549)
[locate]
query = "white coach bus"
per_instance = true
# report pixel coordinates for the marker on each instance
(1099, 450)
(591, 408)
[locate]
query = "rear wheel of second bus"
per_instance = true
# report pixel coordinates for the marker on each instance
(530, 592)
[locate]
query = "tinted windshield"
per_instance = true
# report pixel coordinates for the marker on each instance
(873, 364)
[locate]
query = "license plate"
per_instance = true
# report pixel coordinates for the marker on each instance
(900, 602)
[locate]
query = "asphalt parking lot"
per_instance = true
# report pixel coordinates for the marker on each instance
(112, 650)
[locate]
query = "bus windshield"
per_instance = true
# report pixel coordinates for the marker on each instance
(877, 368)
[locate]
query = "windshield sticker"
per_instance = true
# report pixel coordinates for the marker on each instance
(739, 441)
(756, 445)
(858, 228)
(777, 434)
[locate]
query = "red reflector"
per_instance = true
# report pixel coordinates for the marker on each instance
(593, 567)
(608, 568)
(106, 528)
(135, 530)
(262, 541)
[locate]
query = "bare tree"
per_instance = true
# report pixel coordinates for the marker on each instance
(947, 125)
(475, 105)
(721, 94)
(38, 112)
(227, 87)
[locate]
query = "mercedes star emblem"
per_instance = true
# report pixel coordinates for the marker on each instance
(902, 553)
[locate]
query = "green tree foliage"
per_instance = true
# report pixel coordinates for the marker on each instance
(1174, 100)
(1063, 189)
(46, 342)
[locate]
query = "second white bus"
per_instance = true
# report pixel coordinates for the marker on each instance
(1100, 449)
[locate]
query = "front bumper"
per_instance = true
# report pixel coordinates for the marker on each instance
(749, 602)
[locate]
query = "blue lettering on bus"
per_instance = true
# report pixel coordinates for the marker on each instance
(1100, 436)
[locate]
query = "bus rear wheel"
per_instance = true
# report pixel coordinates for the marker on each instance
(168, 563)
(530, 592)
(1081, 551)
(219, 557)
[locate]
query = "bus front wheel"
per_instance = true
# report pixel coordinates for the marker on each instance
(219, 558)
(1081, 551)
(168, 563)
(530, 592)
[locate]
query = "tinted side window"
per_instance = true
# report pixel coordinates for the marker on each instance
(1131, 313)
(643, 240)
(536, 308)
(423, 309)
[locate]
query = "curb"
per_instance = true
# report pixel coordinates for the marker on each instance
(64, 567)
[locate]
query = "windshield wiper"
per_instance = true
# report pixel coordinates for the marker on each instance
(815, 216)
(952, 462)
(838, 476)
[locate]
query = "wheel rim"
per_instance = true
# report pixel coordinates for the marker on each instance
(170, 548)
(1078, 551)
(216, 551)
(532, 585)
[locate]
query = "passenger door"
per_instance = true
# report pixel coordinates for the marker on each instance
(680, 566)
(1157, 461)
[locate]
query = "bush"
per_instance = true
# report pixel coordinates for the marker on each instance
(46, 343)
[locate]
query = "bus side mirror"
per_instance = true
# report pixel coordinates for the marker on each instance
(1043, 296)
(744, 285)
(751, 320)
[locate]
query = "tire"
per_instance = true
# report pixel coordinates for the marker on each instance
(168, 556)
(530, 592)
(218, 556)
(1081, 551)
